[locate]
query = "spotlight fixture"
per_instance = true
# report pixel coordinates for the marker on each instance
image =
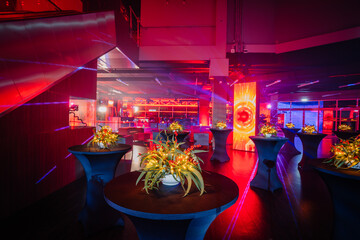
(119, 80)
(268, 106)
(102, 109)
(306, 84)
(270, 84)
(349, 85)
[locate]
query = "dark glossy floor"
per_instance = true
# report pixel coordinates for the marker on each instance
(302, 210)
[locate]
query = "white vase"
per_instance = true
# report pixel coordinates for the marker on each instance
(357, 166)
(101, 145)
(169, 180)
(267, 135)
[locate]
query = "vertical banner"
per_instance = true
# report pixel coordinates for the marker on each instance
(244, 116)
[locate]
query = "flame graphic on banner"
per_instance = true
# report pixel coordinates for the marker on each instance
(244, 116)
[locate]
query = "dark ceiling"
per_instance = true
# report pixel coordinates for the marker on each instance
(331, 68)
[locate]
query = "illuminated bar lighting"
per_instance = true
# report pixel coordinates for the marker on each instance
(306, 84)
(349, 85)
(119, 80)
(277, 81)
(158, 81)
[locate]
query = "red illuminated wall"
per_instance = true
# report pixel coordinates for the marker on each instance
(244, 115)
(34, 140)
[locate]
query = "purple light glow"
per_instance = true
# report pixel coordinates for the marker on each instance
(240, 204)
(46, 174)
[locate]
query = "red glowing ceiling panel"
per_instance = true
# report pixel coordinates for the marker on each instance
(38, 52)
(244, 116)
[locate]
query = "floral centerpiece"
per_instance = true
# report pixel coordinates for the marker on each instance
(346, 153)
(175, 127)
(220, 125)
(268, 130)
(290, 125)
(344, 127)
(167, 160)
(104, 138)
(309, 129)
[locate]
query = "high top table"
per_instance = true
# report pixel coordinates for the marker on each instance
(345, 135)
(220, 136)
(99, 166)
(289, 150)
(180, 137)
(344, 188)
(310, 144)
(165, 213)
(266, 176)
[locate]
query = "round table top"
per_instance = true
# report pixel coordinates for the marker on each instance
(221, 130)
(311, 134)
(320, 165)
(168, 203)
(294, 130)
(268, 138)
(91, 150)
(346, 134)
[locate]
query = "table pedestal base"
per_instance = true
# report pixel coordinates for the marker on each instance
(188, 229)
(345, 195)
(262, 179)
(97, 215)
(289, 151)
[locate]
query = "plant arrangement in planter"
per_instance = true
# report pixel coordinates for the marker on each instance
(104, 138)
(175, 127)
(309, 129)
(344, 127)
(220, 125)
(346, 153)
(268, 130)
(166, 160)
(290, 125)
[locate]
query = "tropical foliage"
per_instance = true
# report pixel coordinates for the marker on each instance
(104, 137)
(346, 153)
(168, 158)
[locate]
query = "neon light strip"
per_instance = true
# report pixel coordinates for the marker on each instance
(306, 84)
(287, 195)
(119, 80)
(349, 85)
(240, 204)
(58, 129)
(46, 174)
(277, 81)
(158, 81)
(51, 64)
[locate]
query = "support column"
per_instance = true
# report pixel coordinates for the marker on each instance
(219, 70)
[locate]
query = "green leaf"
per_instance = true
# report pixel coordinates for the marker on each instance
(140, 177)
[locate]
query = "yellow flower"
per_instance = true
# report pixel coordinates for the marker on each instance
(290, 125)
(310, 129)
(344, 127)
(221, 125)
(175, 126)
(268, 129)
